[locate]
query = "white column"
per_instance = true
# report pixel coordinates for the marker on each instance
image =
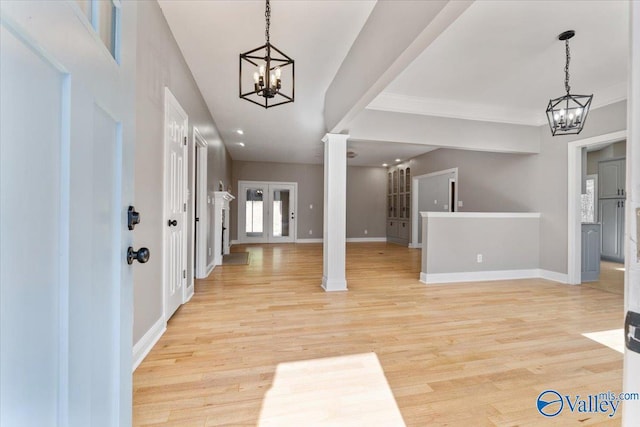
(631, 409)
(335, 212)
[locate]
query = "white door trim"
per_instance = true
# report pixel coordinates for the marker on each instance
(242, 197)
(200, 228)
(574, 238)
(170, 99)
(415, 186)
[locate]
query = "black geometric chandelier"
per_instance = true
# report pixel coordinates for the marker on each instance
(567, 114)
(265, 69)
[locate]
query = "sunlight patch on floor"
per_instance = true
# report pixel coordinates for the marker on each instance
(619, 269)
(613, 339)
(337, 391)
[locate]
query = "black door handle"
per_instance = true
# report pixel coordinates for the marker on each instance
(141, 255)
(172, 222)
(133, 218)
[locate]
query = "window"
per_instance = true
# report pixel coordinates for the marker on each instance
(104, 16)
(588, 200)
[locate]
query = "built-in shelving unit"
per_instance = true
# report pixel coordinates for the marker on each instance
(399, 204)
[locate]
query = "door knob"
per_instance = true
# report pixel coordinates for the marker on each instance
(141, 255)
(133, 218)
(172, 222)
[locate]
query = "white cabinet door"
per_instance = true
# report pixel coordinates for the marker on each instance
(612, 219)
(611, 178)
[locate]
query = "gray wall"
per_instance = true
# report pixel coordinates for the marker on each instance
(505, 244)
(366, 201)
(487, 182)
(496, 182)
(617, 149)
(161, 64)
(551, 182)
(366, 194)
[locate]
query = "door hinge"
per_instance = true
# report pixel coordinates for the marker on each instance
(184, 274)
(185, 140)
(184, 207)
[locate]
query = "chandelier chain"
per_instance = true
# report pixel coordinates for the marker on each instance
(566, 67)
(267, 16)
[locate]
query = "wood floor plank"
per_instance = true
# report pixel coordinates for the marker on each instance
(454, 354)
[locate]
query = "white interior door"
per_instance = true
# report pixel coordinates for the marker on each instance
(266, 212)
(66, 172)
(200, 203)
(175, 202)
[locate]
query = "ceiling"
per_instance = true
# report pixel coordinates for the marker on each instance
(316, 34)
(500, 61)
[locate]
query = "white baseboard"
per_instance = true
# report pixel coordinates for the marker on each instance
(148, 340)
(190, 292)
(332, 285)
(415, 245)
(553, 276)
(210, 268)
(365, 239)
(349, 239)
(478, 276)
(235, 242)
(309, 241)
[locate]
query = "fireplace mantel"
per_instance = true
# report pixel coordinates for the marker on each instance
(221, 200)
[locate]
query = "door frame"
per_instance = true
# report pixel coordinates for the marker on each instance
(199, 205)
(241, 197)
(574, 189)
(169, 98)
(415, 187)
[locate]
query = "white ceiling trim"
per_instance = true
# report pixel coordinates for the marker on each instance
(610, 95)
(454, 109)
(398, 103)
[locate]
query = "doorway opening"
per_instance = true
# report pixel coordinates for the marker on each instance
(577, 177)
(266, 212)
(433, 192)
(603, 196)
(200, 206)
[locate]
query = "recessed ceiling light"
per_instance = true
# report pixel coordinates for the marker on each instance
(241, 144)
(397, 160)
(240, 132)
(384, 165)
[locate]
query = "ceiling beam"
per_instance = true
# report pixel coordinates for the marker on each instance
(393, 36)
(444, 132)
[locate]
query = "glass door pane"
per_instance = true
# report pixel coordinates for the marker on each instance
(280, 207)
(254, 212)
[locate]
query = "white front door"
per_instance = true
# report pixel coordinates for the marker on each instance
(266, 212)
(67, 111)
(175, 202)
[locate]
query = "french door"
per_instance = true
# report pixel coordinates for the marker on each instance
(267, 212)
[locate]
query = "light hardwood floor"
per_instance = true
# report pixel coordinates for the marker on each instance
(611, 278)
(468, 354)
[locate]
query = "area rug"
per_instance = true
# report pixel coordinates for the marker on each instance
(236, 258)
